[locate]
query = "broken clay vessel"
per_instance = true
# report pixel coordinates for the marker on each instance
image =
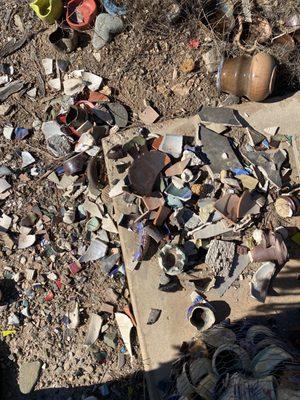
(287, 206)
(200, 313)
(277, 251)
(64, 39)
(81, 14)
(172, 260)
(47, 10)
(252, 77)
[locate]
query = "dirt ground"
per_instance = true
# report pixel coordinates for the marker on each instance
(142, 63)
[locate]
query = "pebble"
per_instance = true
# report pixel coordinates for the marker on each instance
(106, 26)
(29, 375)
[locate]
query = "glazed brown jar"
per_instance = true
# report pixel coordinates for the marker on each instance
(252, 77)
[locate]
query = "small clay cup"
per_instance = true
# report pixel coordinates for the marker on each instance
(252, 77)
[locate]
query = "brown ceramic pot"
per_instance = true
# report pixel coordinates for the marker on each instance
(252, 77)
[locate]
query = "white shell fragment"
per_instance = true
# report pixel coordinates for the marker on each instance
(74, 317)
(27, 159)
(73, 86)
(4, 185)
(96, 250)
(94, 328)
(125, 325)
(25, 241)
(92, 81)
(5, 222)
(55, 84)
(47, 65)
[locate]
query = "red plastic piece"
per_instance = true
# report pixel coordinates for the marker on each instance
(74, 268)
(81, 14)
(194, 43)
(49, 296)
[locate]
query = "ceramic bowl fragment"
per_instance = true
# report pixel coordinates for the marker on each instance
(125, 326)
(172, 260)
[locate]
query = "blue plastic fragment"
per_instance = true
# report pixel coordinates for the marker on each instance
(123, 349)
(113, 9)
(104, 390)
(240, 171)
(266, 143)
(21, 133)
(59, 170)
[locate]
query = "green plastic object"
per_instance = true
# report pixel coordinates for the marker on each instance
(47, 10)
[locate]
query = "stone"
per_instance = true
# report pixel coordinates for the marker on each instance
(187, 66)
(106, 26)
(149, 115)
(212, 59)
(28, 375)
(110, 339)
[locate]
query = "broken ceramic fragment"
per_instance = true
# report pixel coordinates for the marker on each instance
(172, 144)
(219, 115)
(96, 250)
(144, 171)
(94, 327)
(261, 281)
(269, 163)
(125, 326)
(172, 259)
(200, 313)
(26, 241)
(213, 146)
(183, 194)
(148, 116)
(287, 206)
(106, 27)
(272, 248)
(177, 168)
(153, 316)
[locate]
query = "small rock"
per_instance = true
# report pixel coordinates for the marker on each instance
(187, 66)
(29, 375)
(106, 26)
(110, 339)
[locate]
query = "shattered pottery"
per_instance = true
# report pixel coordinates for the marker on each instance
(47, 10)
(81, 14)
(287, 206)
(64, 39)
(200, 313)
(252, 77)
(277, 251)
(172, 259)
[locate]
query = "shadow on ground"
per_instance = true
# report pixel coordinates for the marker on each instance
(283, 317)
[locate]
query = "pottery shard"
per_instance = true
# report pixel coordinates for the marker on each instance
(106, 26)
(177, 168)
(214, 145)
(148, 116)
(28, 375)
(144, 170)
